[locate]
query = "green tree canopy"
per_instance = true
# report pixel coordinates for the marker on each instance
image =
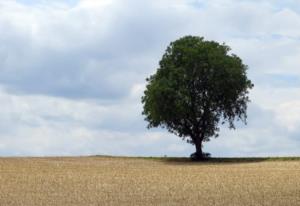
(198, 85)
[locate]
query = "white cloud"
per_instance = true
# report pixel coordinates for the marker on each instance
(43, 125)
(288, 115)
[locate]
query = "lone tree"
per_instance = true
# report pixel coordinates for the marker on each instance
(198, 85)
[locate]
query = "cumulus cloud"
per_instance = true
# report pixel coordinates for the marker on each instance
(43, 125)
(72, 73)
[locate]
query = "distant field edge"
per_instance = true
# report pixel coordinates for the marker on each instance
(212, 159)
(169, 158)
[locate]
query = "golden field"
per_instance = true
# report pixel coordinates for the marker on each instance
(64, 181)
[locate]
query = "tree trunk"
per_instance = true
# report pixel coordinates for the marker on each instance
(198, 146)
(198, 155)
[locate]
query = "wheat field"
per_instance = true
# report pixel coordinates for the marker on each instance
(64, 181)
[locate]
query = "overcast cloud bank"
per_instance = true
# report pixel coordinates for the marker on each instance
(72, 74)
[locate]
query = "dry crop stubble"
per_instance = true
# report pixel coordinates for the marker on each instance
(139, 181)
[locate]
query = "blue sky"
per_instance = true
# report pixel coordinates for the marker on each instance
(73, 72)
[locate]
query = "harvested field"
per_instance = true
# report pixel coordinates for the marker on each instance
(104, 181)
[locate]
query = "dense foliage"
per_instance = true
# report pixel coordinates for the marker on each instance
(197, 85)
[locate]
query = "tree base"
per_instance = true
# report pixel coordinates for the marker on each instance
(200, 156)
